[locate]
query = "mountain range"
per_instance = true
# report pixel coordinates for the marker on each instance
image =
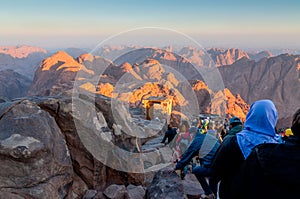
(246, 76)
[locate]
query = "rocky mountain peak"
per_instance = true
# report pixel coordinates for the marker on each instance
(86, 57)
(126, 67)
(61, 59)
(226, 57)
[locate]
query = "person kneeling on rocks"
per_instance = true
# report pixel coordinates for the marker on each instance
(204, 146)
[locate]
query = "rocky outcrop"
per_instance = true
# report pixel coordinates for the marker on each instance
(168, 185)
(35, 161)
(13, 84)
(226, 57)
(84, 149)
(236, 106)
(56, 74)
(276, 78)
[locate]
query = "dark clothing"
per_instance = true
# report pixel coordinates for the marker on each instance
(204, 146)
(226, 163)
(270, 171)
(234, 130)
(201, 172)
(170, 134)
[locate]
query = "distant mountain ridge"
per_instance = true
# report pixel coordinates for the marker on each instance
(21, 51)
(13, 84)
(22, 59)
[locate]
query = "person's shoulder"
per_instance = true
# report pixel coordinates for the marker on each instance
(267, 146)
(275, 149)
(229, 139)
(230, 143)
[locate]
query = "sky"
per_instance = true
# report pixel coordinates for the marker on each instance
(213, 23)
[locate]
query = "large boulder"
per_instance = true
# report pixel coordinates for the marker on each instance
(115, 191)
(35, 161)
(99, 153)
(135, 192)
(166, 185)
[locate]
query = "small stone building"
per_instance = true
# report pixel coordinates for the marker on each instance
(158, 107)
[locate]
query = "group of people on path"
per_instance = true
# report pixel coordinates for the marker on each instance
(248, 161)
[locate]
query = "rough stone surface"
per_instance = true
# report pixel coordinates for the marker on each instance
(135, 192)
(89, 194)
(88, 164)
(275, 78)
(226, 56)
(192, 187)
(166, 185)
(115, 191)
(35, 161)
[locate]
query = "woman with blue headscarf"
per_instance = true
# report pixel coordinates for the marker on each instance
(259, 128)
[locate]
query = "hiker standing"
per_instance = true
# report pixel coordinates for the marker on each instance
(169, 134)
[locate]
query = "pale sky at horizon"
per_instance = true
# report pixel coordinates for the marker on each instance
(245, 24)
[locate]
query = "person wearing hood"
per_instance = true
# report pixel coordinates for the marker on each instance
(271, 170)
(235, 126)
(259, 128)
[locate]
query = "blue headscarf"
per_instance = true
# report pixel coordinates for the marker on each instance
(259, 126)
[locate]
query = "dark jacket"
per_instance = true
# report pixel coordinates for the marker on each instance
(234, 130)
(270, 171)
(170, 134)
(204, 146)
(226, 163)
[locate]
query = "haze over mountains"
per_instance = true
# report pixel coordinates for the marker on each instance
(22, 59)
(248, 76)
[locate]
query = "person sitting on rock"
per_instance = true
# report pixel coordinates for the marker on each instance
(182, 141)
(169, 134)
(271, 170)
(204, 146)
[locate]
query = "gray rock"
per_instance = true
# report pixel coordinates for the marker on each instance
(89, 194)
(192, 187)
(115, 191)
(166, 185)
(135, 192)
(35, 161)
(99, 195)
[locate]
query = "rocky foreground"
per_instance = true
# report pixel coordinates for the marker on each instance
(42, 155)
